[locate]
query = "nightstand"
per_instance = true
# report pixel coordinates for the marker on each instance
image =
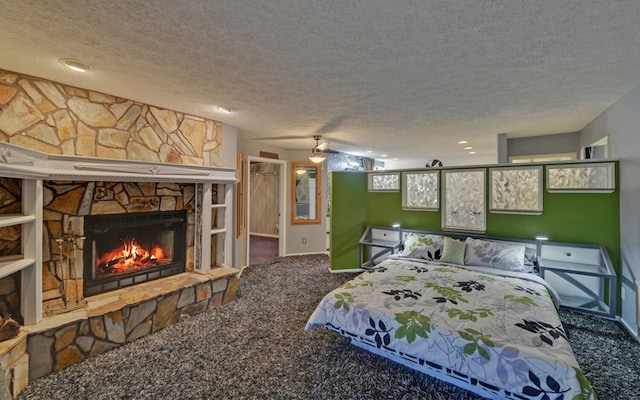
(378, 241)
(582, 275)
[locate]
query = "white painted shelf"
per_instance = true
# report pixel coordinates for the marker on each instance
(220, 210)
(9, 267)
(15, 219)
(29, 263)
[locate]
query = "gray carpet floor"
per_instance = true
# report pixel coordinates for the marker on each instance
(255, 348)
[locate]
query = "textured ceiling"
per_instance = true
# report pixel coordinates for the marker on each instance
(408, 79)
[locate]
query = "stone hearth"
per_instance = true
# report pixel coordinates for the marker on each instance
(111, 320)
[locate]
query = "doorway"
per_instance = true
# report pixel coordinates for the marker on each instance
(265, 224)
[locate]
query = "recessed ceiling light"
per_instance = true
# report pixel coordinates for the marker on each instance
(76, 65)
(468, 148)
(462, 142)
(395, 159)
(226, 110)
(472, 152)
(369, 151)
(384, 155)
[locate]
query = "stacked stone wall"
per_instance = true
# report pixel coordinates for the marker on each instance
(58, 119)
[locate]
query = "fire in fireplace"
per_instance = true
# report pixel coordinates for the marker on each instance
(130, 257)
(125, 249)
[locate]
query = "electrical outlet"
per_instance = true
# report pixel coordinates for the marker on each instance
(304, 240)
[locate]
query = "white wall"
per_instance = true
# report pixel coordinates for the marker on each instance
(228, 154)
(547, 144)
(477, 159)
(621, 122)
(315, 234)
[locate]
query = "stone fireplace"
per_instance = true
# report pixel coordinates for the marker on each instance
(91, 229)
(105, 252)
(125, 249)
(68, 155)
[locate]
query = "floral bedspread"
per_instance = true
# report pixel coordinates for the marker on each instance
(497, 333)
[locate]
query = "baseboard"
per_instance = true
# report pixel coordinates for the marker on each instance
(306, 254)
(351, 271)
(264, 235)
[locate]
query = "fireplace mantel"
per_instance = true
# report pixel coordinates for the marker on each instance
(18, 162)
(34, 167)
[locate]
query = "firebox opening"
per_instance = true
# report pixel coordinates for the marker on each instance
(126, 249)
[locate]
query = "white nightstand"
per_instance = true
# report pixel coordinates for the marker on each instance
(582, 275)
(378, 241)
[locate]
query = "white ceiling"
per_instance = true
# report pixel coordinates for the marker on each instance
(408, 79)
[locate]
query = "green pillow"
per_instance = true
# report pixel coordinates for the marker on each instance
(453, 251)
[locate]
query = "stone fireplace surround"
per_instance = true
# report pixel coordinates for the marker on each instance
(66, 207)
(114, 318)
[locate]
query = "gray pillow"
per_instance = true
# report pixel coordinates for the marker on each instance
(485, 253)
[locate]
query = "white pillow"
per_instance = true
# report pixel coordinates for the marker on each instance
(485, 253)
(426, 246)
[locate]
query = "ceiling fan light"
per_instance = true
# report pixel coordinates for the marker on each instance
(317, 158)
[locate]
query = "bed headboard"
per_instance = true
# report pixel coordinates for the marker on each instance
(529, 244)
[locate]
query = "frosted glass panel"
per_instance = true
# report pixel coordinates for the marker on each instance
(516, 190)
(464, 200)
(420, 190)
(581, 177)
(379, 182)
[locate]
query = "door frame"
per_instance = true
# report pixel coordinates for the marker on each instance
(282, 181)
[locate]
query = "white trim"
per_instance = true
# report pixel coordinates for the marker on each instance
(268, 235)
(282, 203)
(29, 164)
(31, 285)
(307, 254)
(543, 158)
(351, 270)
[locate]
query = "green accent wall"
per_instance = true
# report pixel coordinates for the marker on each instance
(348, 218)
(588, 218)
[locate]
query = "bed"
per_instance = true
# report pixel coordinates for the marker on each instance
(475, 316)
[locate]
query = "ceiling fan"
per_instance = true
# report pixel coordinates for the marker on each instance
(318, 150)
(319, 146)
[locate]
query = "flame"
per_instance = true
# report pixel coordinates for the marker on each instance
(130, 257)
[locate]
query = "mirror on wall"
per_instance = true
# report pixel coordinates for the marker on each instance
(306, 186)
